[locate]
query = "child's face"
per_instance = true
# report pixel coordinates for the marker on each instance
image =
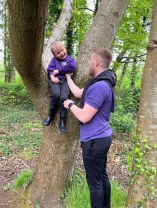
(60, 52)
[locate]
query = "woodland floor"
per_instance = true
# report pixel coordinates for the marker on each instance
(20, 139)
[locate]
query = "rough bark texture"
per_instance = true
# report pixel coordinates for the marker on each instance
(59, 31)
(26, 28)
(26, 24)
(147, 118)
(102, 33)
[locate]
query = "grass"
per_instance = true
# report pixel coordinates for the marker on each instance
(77, 194)
(20, 131)
(23, 179)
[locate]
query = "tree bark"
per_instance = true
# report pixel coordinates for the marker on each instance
(122, 77)
(102, 32)
(60, 29)
(69, 40)
(133, 74)
(147, 124)
(26, 25)
(27, 21)
(8, 66)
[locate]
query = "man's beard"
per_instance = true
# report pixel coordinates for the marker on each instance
(91, 73)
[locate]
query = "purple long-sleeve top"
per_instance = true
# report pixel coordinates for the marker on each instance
(66, 66)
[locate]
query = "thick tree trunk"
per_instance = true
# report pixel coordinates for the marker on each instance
(143, 191)
(26, 27)
(102, 33)
(26, 24)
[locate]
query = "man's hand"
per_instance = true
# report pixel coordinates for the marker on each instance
(55, 72)
(67, 102)
(68, 75)
(54, 79)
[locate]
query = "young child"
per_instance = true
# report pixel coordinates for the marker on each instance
(60, 65)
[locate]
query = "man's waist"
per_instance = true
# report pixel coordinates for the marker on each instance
(102, 136)
(95, 140)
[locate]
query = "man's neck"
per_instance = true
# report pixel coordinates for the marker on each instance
(99, 71)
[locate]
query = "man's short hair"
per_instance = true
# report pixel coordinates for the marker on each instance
(105, 55)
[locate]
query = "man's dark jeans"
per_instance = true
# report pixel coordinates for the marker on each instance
(95, 160)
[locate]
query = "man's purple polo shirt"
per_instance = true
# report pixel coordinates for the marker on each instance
(99, 96)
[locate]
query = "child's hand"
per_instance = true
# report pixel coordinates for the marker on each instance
(55, 72)
(54, 79)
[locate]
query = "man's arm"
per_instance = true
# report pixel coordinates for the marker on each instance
(97, 94)
(76, 91)
(84, 114)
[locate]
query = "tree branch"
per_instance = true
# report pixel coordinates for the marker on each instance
(147, 24)
(85, 8)
(120, 56)
(58, 32)
(133, 57)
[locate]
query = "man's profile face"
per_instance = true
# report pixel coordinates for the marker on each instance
(93, 63)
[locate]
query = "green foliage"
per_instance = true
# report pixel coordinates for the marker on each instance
(23, 179)
(132, 35)
(77, 194)
(54, 10)
(1, 73)
(118, 196)
(14, 93)
(131, 39)
(80, 22)
(130, 95)
(140, 166)
(122, 120)
(127, 103)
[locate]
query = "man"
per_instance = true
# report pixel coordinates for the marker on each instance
(97, 102)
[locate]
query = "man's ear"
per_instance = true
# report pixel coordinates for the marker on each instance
(97, 61)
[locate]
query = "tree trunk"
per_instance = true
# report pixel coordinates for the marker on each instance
(122, 77)
(96, 6)
(133, 74)
(143, 190)
(52, 173)
(8, 66)
(102, 33)
(69, 40)
(26, 24)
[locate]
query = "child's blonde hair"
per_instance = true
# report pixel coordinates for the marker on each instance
(55, 44)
